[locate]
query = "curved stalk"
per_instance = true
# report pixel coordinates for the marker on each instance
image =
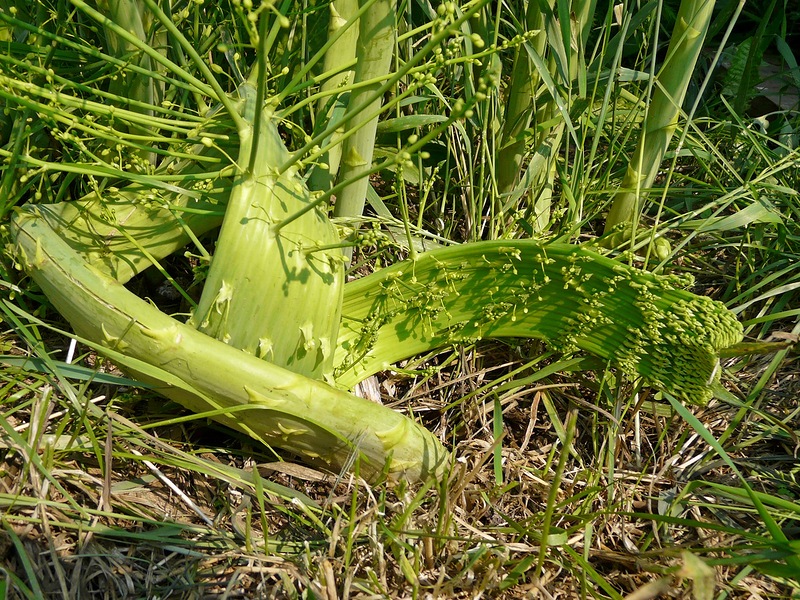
(573, 298)
(516, 288)
(324, 425)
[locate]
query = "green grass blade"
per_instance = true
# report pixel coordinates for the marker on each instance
(774, 529)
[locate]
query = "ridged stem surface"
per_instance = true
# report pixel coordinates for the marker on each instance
(670, 88)
(268, 291)
(324, 425)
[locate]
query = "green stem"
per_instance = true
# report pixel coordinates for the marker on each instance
(568, 295)
(324, 425)
(403, 71)
(521, 104)
(662, 114)
(333, 39)
(338, 58)
(376, 42)
(265, 293)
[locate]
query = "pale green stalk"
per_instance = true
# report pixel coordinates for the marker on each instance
(567, 295)
(339, 57)
(521, 104)
(123, 232)
(376, 43)
(639, 321)
(274, 291)
(128, 14)
(269, 292)
(324, 425)
(662, 113)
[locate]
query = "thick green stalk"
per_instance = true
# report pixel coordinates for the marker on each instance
(324, 425)
(376, 42)
(121, 233)
(269, 290)
(568, 295)
(521, 104)
(339, 57)
(662, 114)
(129, 14)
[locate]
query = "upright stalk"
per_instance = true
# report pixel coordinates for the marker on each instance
(521, 104)
(338, 57)
(129, 14)
(662, 114)
(270, 291)
(376, 42)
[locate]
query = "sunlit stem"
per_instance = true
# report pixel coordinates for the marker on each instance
(339, 58)
(662, 114)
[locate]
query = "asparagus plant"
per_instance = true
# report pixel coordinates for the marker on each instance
(277, 339)
(564, 294)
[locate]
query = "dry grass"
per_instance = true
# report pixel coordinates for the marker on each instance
(97, 507)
